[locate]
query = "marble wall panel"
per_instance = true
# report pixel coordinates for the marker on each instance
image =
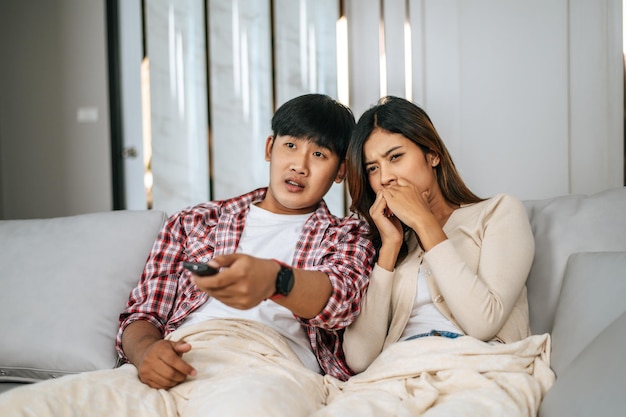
(176, 50)
(241, 94)
(305, 50)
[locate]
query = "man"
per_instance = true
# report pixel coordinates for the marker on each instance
(256, 337)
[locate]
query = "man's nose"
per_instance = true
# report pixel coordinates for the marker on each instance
(299, 164)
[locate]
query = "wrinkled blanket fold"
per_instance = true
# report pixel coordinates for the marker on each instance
(233, 335)
(437, 376)
(243, 368)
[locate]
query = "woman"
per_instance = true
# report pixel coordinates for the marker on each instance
(448, 262)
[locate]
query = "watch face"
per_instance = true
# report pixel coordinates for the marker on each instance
(284, 281)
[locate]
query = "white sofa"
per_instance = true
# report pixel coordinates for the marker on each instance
(577, 292)
(63, 282)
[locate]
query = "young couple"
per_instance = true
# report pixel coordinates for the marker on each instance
(265, 335)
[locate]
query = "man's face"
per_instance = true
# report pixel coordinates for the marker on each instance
(301, 173)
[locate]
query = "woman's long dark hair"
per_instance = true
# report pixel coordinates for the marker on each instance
(398, 115)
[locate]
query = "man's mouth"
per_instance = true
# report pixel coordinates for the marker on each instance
(293, 183)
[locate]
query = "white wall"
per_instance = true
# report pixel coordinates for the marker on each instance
(53, 63)
(527, 94)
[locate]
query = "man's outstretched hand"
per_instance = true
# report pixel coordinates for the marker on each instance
(243, 281)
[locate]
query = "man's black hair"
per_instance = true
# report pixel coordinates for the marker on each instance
(318, 118)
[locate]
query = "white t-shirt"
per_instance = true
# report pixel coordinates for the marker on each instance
(425, 316)
(267, 235)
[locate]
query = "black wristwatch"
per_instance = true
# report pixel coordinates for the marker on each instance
(284, 280)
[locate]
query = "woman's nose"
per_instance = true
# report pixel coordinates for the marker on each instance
(387, 177)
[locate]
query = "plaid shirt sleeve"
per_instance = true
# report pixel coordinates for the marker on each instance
(164, 293)
(347, 259)
(342, 251)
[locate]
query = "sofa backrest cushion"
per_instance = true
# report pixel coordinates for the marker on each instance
(63, 283)
(563, 226)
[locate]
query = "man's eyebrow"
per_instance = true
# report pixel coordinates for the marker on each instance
(390, 150)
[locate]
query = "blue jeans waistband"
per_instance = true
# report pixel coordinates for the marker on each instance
(442, 333)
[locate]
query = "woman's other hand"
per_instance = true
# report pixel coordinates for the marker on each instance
(390, 229)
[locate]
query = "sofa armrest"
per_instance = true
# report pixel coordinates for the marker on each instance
(593, 384)
(592, 297)
(589, 338)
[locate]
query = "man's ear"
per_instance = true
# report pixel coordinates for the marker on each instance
(269, 143)
(341, 172)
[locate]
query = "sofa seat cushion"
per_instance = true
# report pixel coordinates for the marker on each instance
(6, 385)
(63, 283)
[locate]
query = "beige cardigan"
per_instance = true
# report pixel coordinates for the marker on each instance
(477, 279)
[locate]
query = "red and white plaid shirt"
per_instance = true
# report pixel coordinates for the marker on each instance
(165, 295)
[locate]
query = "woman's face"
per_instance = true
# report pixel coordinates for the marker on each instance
(389, 156)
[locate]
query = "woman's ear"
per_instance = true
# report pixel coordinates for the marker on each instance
(341, 172)
(434, 159)
(269, 143)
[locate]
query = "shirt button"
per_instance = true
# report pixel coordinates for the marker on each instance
(438, 299)
(205, 259)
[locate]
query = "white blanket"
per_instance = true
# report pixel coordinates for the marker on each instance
(437, 376)
(244, 369)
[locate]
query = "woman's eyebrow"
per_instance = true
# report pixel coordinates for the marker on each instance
(385, 154)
